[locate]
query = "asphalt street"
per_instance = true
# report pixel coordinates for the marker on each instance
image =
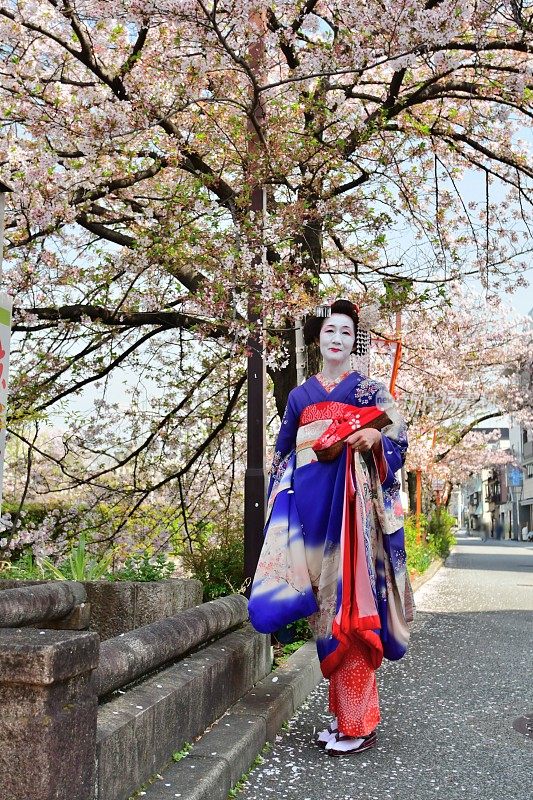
(448, 707)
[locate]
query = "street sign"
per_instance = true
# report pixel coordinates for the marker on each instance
(515, 476)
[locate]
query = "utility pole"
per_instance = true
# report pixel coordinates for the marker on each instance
(418, 506)
(255, 477)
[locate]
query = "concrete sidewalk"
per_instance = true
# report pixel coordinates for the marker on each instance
(448, 708)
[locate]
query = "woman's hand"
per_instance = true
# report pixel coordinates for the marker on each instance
(364, 440)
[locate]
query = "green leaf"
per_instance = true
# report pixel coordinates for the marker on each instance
(55, 572)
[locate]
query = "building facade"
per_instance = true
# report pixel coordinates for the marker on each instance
(526, 501)
(498, 501)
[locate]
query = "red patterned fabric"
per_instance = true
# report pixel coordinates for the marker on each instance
(353, 693)
(351, 421)
(329, 409)
(357, 619)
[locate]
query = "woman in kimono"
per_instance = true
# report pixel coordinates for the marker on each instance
(334, 542)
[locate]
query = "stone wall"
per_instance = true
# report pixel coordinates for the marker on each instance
(44, 603)
(117, 607)
(120, 606)
(55, 745)
(127, 657)
(48, 717)
(139, 731)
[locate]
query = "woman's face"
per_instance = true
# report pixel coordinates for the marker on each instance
(337, 338)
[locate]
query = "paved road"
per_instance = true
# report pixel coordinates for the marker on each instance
(448, 707)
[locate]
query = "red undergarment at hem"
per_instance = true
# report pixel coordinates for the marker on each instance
(353, 693)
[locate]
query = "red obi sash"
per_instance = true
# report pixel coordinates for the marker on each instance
(329, 445)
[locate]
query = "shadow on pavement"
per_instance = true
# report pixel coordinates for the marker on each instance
(500, 556)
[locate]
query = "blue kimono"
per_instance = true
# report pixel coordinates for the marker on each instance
(334, 542)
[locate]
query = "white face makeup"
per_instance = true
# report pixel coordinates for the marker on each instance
(337, 337)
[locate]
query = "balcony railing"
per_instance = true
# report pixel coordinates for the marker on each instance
(494, 498)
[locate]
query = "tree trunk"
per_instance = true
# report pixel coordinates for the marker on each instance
(314, 360)
(310, 241)
(446, 494)
(285, 379)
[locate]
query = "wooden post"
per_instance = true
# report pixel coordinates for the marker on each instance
(397, 355)
(300, 351)
(418, 505)
(255, 476)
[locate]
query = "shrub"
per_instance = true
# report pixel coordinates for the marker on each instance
(80, 564)
(143, 567)
(216, 559)
(53, 531)
(295, 632)
(436, 539)
(419, 556)
(32, 512)
(289, 639)
(439, 532)
(23, 568)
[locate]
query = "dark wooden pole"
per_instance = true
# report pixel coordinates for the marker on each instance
(255, 477)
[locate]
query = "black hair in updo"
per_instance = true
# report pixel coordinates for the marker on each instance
(313, 325)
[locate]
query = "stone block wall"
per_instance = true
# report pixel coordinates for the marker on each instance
(48, 714)
(139, 731)
(57, 744)
(117, 607)
(120, 606)
(49, 602)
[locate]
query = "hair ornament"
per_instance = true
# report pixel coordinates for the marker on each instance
(323, 311)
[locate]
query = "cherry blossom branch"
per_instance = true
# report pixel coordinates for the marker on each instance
(163, 422)
(199, 451)
(136, 50)
(105, 316)
(105, 232)
(75, 387)
(467, 429)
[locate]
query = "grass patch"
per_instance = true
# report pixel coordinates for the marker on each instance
(179, 754)
(258, 760)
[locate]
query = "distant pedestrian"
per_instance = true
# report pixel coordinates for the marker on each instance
(499, 530)
(334, 541)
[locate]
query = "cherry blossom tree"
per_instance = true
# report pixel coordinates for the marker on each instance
(133, 141)
(139, 473)
(464, 364)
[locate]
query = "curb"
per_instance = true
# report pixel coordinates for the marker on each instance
(434, 567)
(229, 747)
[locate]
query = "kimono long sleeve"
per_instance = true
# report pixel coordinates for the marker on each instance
(286, 440)
(281, 591)
(391, 456)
